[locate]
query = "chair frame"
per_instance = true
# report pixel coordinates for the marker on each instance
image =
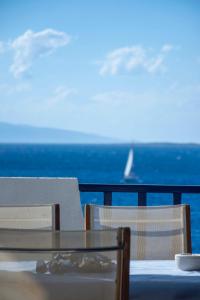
(187, 220)
(188, 228)
(123, 258)
(57, 216)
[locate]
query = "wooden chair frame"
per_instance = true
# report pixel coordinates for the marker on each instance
(57, 216)
(123, 264)
(188, 228)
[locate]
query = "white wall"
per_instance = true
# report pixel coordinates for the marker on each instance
(65, 191)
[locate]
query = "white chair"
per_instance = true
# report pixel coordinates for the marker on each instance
(64, 191)
(157, 232)
(30, 217)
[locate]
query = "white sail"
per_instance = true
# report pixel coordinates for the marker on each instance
(129, 165)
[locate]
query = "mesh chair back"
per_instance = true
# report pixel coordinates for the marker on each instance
(156, 232)
(30, 217)
(84, 265)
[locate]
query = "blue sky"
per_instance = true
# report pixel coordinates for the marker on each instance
(125, 69)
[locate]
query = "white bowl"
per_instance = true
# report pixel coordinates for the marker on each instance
(188, 262)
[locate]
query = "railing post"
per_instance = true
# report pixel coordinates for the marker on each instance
(142, 199)
(176, 198)
(107, 198)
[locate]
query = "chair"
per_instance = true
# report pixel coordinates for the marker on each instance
(157, 232)
(85, 265)
(30, 217)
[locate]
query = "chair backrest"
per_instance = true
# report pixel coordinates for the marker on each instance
(157, 232)
(31, 190)
(93, 264)
(30, 217)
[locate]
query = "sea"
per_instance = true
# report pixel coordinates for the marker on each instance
(156, 163)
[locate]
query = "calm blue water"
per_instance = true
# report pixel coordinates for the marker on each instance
(154, 163)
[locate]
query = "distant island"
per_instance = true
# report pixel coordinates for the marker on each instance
(17, 133)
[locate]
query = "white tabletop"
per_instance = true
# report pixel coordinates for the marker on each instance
(162, 280)
(153, 280)
(161, 267)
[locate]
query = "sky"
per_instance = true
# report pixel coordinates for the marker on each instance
(124, 69)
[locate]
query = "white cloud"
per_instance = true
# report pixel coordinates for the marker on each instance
(131, 58)
(167, 48)
(155, 64)
(127, 58)
(125, 99)
(33, 45)
(60, 94)
(10, 89)
(113, 97)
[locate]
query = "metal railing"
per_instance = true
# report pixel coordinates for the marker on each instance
(142, 191)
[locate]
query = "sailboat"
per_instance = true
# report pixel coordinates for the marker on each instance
(129, 175)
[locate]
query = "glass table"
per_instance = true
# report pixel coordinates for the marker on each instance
(58, 265)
